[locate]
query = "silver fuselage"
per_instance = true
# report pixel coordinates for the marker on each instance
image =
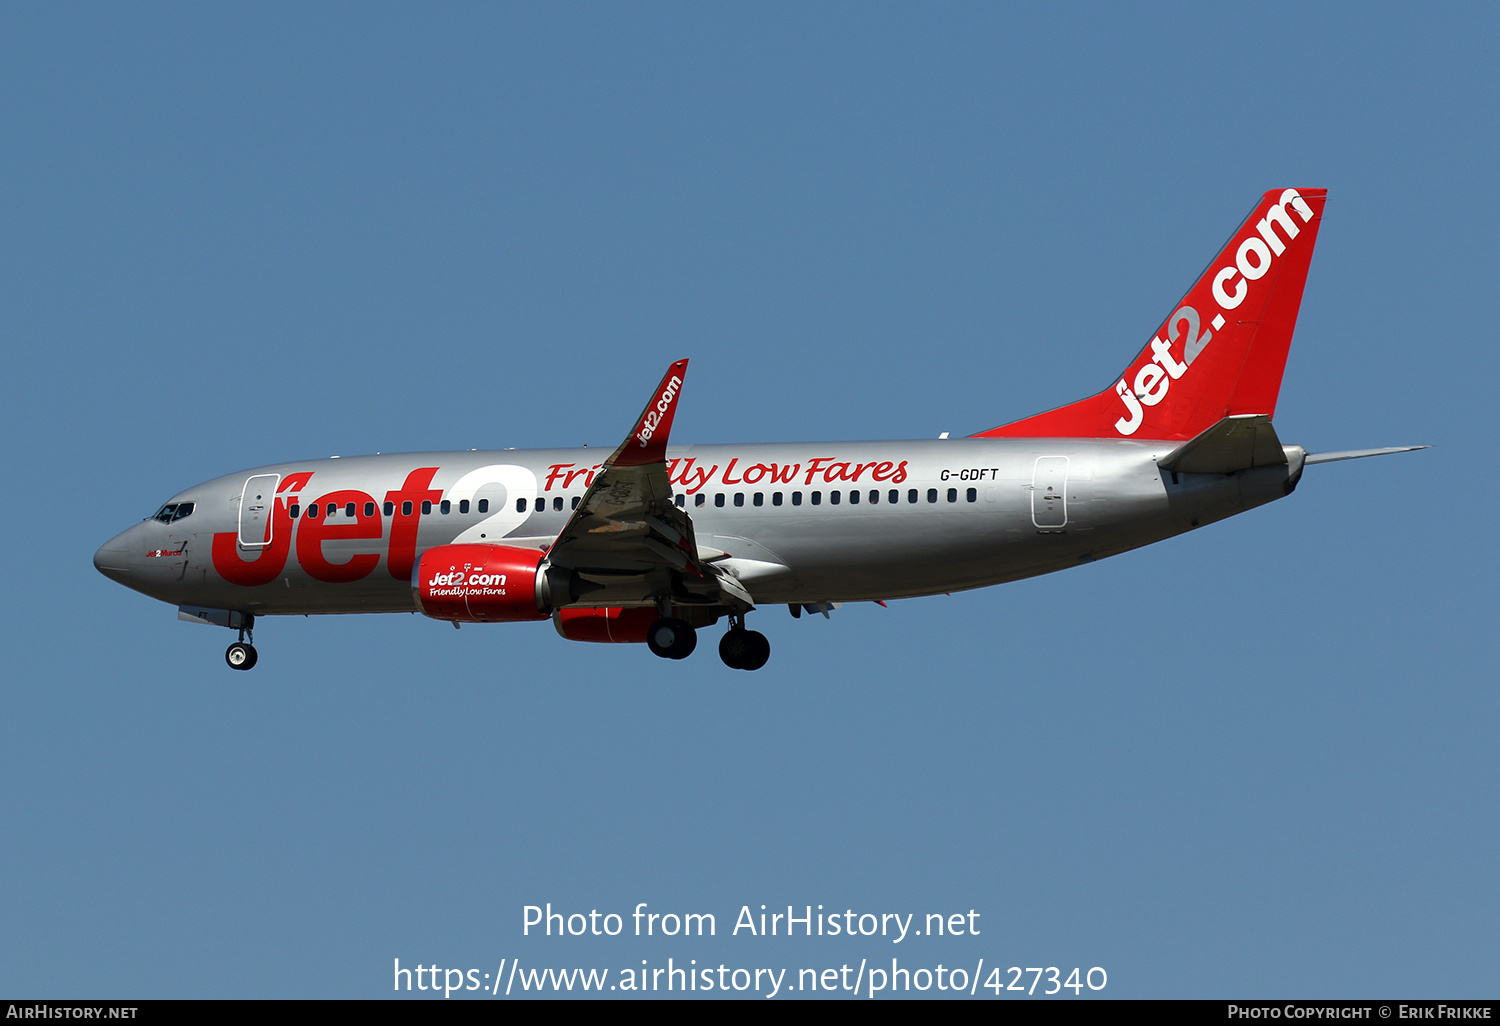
(930, 517)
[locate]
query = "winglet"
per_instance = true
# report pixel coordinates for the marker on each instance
(647, 441)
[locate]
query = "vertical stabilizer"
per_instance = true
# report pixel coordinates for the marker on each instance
(1222, 351)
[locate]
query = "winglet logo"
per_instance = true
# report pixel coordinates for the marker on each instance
(1253, 259)
(657, 411)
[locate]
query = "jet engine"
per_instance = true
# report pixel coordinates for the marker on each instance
(606, 624)
(491, 584)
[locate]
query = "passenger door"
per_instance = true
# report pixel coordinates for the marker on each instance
(256, 503)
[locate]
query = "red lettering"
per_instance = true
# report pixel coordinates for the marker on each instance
(833, 473)
(267, 564)
(759, 471)
(882, 471)
(572, 474)
(314, 531)
(728, 469)
(402, 554)
(685, 479)
(815, 467)
(556, 471)
(787, 475)
(295, 482)
(860, 470)
(900, 473)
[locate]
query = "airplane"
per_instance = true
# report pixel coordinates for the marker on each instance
(658, 541)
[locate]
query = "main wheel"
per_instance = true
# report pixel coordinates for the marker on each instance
(744, 650)
(240, 656)
(732, 648)
(672, 639)
(758, 650)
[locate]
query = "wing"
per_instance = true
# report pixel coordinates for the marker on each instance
(627, 524)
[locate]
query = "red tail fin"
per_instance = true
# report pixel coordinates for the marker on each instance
(1224, 348)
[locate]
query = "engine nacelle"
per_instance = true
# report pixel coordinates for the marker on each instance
(490, 584)
(610, 625)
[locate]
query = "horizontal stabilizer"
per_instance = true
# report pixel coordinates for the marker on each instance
(1357, 454)
(1239, 442)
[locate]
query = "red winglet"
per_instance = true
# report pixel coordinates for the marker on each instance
(647, 441)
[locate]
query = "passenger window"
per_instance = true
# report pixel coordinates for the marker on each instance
(699, 499)
(680, 499)
(463, 506)
(833, 498)
(894, 496)
(349, 510)
(520, 505)
(579, 498)
(445, 507)
(426, 507)
(932, 495)
(718, 498)
(557, 504)
(332, 509)
(739, 498)
(911, 495)
(817, 498)
(973, 494)
(854, 497)
(312, 511)
(952, 494)
(484, 505)
(539, 505)
(369, 509)
(776, 498)
(796, 498)
(294, 510)
(760, 499)
(390, 507)
(405, 508)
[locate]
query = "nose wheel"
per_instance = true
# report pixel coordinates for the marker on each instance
(672, 639)
(743, 649)
(240, 656)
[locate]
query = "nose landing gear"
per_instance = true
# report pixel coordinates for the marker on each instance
(241, 655)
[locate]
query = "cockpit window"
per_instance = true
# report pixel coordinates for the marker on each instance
(174, 511)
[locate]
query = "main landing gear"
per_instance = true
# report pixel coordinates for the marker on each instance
(743, 649)
(671, 638)
(740, 649)
(241, 655)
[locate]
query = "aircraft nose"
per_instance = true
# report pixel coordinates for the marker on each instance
(113, 559)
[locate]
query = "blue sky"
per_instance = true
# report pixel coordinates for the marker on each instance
(1257, 760)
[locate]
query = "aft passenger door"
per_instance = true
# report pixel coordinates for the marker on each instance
(256, 503)
(1049, 493)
